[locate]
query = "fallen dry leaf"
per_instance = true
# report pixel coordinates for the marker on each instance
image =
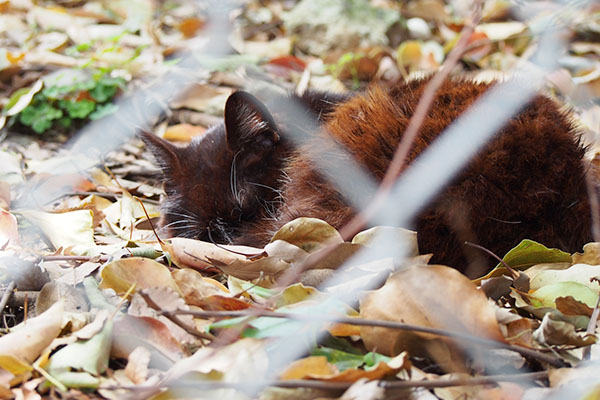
(194, 287)
(309, 234)
(4, 196)
(240, 261)
(183, 132)
(130, 332)
(137, 365)
(554, 332)
(27, 340)
(430, 296)
(9, 233)
(70, 230)
(144, 273)
(590, 255)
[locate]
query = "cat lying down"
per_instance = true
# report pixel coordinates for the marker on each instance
(243, 179)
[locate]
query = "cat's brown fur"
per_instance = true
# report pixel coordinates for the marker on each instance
(529, 182)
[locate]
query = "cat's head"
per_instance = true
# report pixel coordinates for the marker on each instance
(224, 178)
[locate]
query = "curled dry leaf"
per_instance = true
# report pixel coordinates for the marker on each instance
(131, 332)
(72, 299)
(364, 389)
(521, 303)
(317, 367)
(569, 306)
(240, 261)
(70, 230)
(221, 303)
(137, 365)
(516, 329)
(28, 339)
(554, 332)
(335, 255)
(194, 287)
(432, 296)
(393, 233)
(309, 234)
(144, 273)
(226, 364)
(202, 97)
(9, 234)
(313, 366)
(590, 255)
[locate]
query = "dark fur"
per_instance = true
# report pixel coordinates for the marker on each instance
(529, 182)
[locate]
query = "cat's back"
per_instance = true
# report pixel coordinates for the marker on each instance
(527, 182)
(371, 125)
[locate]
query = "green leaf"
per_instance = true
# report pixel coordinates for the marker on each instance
(102, 93)
(39, 116)
(102, 110)
(65, 122)
(528, 253)
(79, 364)
(344, 360)
(78, 108)
(546, 296)
(106, 87)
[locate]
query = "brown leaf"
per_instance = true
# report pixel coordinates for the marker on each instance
(317, 367)
(590, 255)
(183, 132)
(144, 273)
(313, 366)
(569, 306)
(129, 332)
(554, 332)
(430, 296)
(27, 340)
(234, 260)
(137, 365)
(194, 287)
(204, 98)
(190, 26)
(221, 303)
(309, 234)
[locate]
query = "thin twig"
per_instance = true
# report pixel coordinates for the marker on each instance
(510, 269)
(174, 319)
(591, 328)
(149, 221)
(556, 362)
(340, 386)
(60, 257)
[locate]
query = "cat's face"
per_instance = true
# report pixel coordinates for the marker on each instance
(223, 179)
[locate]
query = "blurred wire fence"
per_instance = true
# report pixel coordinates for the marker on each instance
(416, 186)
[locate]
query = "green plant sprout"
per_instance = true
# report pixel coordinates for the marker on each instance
(61, 105)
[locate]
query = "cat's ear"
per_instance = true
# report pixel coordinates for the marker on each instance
(166, 155)
(250, 128)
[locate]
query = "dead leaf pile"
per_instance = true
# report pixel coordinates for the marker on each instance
(99, 305)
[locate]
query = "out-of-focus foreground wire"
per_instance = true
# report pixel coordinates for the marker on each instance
(417, 185)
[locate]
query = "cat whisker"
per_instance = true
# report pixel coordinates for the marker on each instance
(265, 186)
(180, 222)
(233, 179)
